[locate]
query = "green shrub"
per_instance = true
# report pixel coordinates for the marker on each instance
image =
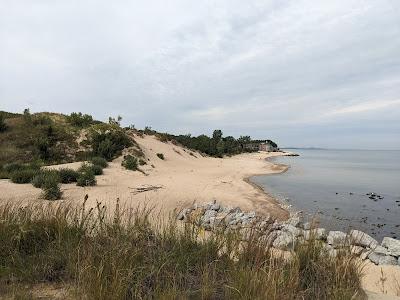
(130, 163)
(51, 187)
(160, 156)
(86, 177)
(23, 175)
(99, 161)
(108, 141)
(79, 119)
(11, 167)
(97, 170)
(68, 175)
(45, 176)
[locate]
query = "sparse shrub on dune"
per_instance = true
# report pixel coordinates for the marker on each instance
(142, 162)
(68, 175)
(97, 170)
(45, 175)
(125, 256)
(160, 156)
(130, 163)
(100, 161)
(108, 141)
(51, 187)
(23, 175)
(86, 177)
(10, 167)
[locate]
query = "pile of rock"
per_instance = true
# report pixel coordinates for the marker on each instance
(284, 235)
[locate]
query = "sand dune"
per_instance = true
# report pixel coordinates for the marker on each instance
(182, 178)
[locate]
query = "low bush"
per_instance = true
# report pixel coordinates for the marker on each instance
(86, 177)
(51, 187)
(23, 175)
(68, 175)
(45, 176)
(100, 161)
(97, 170)
(142, 162)
(130, 163)
(11, 167)
(108, 141)
(160, 156)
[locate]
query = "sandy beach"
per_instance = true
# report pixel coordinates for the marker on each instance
(182, 178)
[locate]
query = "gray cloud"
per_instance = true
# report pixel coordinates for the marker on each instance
(318, 73)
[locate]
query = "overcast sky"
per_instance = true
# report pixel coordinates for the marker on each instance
(303, 73)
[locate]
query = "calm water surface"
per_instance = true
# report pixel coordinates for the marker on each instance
(331, 185)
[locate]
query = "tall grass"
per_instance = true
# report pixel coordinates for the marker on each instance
(124, 255)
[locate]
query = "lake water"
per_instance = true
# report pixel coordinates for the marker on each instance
(331, 186)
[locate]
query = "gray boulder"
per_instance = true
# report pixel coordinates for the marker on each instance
(215, 207)
(294, 221)
(208, 215)
(382, 259)
(183, 214)
(318, 234)
(380, 250)
(293, 230)
(336, 238)
(284, 240)
(362, 239)
(392, 245)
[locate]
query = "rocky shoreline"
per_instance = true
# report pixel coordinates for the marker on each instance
(284, 235)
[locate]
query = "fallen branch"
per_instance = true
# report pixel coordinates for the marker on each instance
(145, 188)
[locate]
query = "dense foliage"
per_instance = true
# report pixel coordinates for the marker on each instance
(217, 145)
(80, 120)
(108, 141)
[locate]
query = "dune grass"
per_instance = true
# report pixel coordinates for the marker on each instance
(123, 255)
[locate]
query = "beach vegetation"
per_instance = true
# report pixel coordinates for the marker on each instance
(86, 177)
(130, 162)
(24, 175)
(51, 186)
(160, 156)
(68, 175)
(128, 255)
(108, 141)
(43, 176)
(80, 120)
(99, 161)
